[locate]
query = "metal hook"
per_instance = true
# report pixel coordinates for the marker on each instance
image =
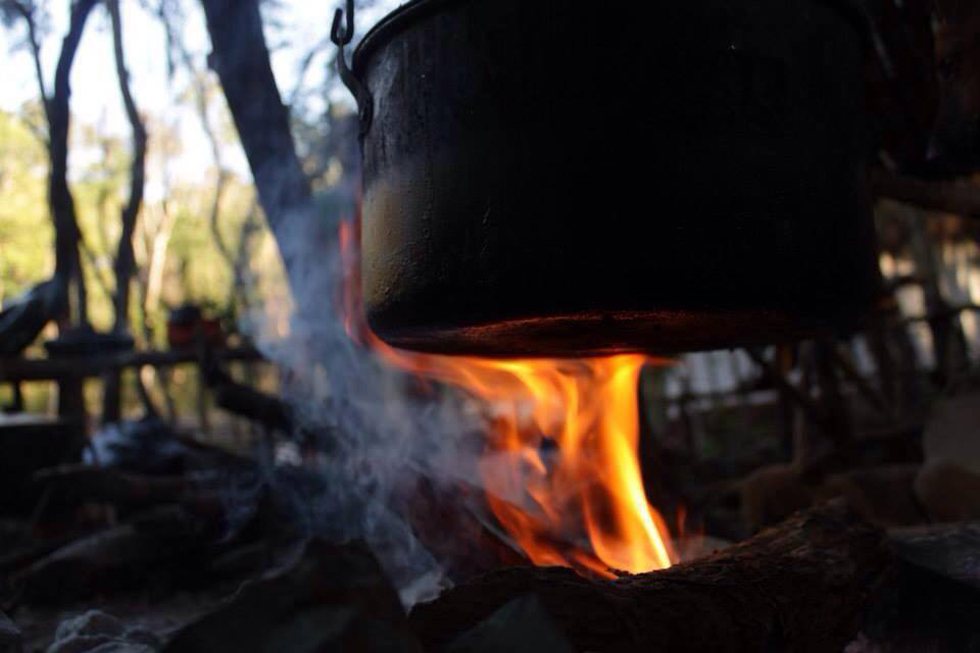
(341, 35)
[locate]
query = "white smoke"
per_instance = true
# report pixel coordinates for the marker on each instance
(375, 439)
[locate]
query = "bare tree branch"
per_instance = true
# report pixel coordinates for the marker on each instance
(200, 90)
(105, 285)
(27, 13)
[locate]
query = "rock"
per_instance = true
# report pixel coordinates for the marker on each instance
(949, 550)
(98, 632)
(11, 639)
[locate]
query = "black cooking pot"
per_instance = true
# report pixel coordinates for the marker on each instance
(544, 177)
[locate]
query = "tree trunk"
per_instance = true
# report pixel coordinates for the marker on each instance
(125, 264)
(67, 261)
(241, 59)
(59, 195)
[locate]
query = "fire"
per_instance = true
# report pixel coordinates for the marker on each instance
(561, 471)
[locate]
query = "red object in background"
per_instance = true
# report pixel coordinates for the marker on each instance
(187, 324)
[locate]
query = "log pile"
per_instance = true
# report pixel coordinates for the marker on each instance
(144, 529)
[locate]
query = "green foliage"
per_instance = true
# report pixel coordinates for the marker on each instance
(26, 234)
(194, 269)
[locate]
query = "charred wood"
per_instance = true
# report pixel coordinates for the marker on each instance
(330, 598)
(164, 545)
(71, 486)
(801, 586)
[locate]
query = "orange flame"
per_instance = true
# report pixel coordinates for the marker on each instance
(561, 471)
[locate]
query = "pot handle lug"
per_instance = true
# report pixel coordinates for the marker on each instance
(341, 33)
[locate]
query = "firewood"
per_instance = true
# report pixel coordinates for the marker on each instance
(328, 598)
(166, 544)
(249, 403)
(801, 586)
(80, 483)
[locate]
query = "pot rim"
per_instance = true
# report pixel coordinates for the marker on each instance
(395, 21)
(853, 11)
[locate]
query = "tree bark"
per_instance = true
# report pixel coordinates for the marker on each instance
(27, 13)
(125, 263)
(241, 59)
(59, 195)
(57, 114)
(68, 267)
(802, 586)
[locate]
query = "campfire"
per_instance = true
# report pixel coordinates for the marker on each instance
(447, 369)
(561, 468)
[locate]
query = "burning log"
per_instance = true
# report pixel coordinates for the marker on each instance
(801, 586)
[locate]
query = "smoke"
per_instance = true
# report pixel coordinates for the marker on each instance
(369, 435)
